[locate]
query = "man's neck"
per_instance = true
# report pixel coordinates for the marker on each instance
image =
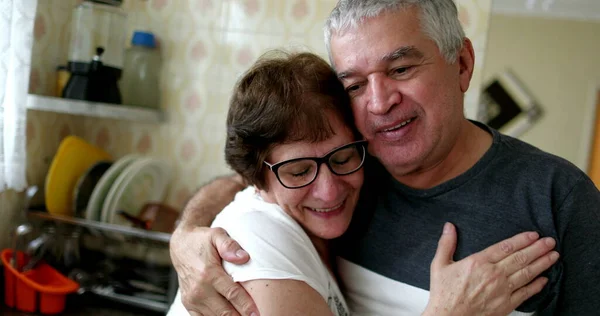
(471, 144)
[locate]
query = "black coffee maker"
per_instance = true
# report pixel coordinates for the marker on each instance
(96, 51)
(93, 81)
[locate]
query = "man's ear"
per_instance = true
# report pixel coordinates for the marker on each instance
(466, 63)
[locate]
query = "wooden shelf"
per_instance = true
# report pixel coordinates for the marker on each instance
(93, 109)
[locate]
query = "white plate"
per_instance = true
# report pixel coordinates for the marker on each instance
(110, 195)
(101, 189)
(144, 181)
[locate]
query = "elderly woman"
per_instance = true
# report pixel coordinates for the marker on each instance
(291, 135)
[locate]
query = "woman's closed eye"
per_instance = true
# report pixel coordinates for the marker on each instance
(300, 173)
(344, 156)
(341, 160)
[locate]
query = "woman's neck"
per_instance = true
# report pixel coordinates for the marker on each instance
(322, 246)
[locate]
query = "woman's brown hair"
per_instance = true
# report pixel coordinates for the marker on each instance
(282, 98)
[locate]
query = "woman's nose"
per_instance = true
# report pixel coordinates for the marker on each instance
(327, 186)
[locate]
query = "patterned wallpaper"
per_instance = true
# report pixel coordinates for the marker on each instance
(205, 45)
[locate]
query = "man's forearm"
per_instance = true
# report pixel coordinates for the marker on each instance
(204, 206)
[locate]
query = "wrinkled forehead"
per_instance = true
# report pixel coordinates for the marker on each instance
(386, 26)
(381, 38)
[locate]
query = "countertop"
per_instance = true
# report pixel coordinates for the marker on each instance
(87, 305)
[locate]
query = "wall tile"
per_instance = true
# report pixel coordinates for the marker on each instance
(202, 50)
(302, 16)
(254, 16)
(208, 13)
(205, 46)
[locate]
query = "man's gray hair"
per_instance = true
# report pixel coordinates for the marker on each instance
(439, 21)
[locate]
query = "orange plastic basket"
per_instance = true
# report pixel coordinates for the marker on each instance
(41, 289)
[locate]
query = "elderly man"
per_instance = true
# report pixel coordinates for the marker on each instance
(406, 65)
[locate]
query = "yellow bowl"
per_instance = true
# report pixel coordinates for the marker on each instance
(73, 158)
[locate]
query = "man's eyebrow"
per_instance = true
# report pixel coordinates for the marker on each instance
(403, 52)
(345, 74)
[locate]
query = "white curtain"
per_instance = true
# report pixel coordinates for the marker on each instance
(16, 39)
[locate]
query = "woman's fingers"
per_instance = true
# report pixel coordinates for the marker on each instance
(446, 247)
(529, 272)
(524, 293)
(507, 247)
(521, 259)
(494, 281)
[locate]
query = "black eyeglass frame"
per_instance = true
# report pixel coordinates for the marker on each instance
(320, 160)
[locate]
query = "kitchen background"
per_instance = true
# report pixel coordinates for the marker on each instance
(555, 56)
(205, 45)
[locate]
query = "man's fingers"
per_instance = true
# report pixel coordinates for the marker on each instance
(446, 247)
(528, 273)
(189, 297)
(521, 295)
(208, 301)
(228, 248)
(196, 307)
(219, 306)
(507, 247)
(522, 258)
(236, 295)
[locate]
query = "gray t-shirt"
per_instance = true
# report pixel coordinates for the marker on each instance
(515, 187)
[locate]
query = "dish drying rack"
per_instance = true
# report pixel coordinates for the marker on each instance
(118, 233)
(105, 229)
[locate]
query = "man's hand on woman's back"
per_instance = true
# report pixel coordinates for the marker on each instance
(206, 289)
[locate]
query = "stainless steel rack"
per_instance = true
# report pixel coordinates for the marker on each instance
(110, 231)
(104, 227)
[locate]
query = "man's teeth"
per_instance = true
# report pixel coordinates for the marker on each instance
(398, 126)
(325, 210)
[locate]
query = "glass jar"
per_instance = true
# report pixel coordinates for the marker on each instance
(140, 81)
(71, 257)
(96, 24)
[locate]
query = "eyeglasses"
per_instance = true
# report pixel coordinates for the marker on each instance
(300, 172)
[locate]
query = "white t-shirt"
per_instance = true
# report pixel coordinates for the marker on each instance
(369, 293)
(278, 247)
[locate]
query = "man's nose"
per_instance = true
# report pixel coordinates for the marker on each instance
(383, 94)
(327, 186)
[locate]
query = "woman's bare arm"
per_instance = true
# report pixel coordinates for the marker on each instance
(286, 297)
